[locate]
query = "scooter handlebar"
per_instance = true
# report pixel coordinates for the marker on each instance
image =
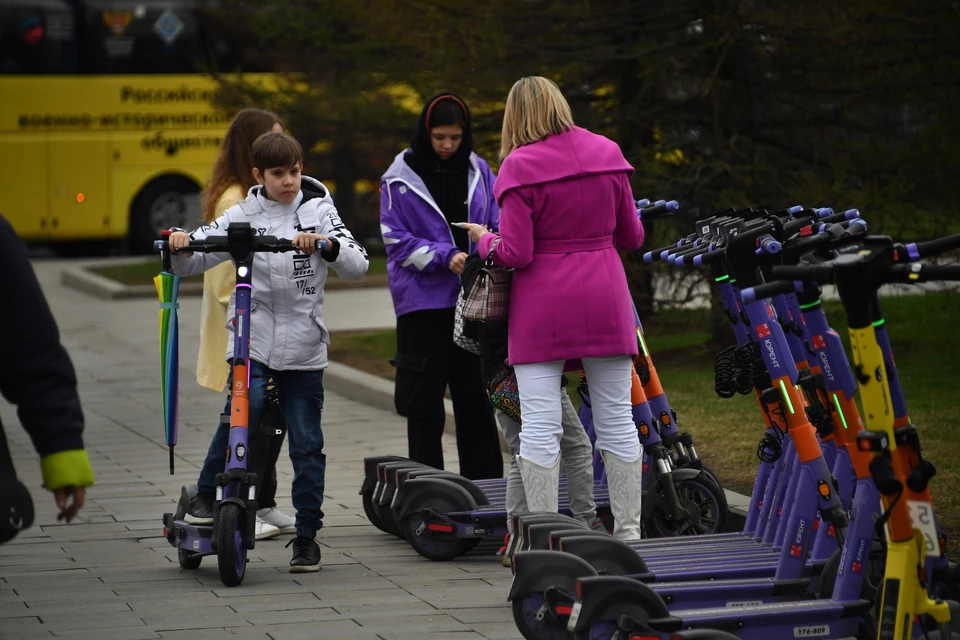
(918, 250)
(660, 209)
(914, 273)
(803, 272)
(710, 257)
(770, 289)
(218, 244)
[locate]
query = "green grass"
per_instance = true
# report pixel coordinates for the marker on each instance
(727, 431)
(136, 272)
(143, 272)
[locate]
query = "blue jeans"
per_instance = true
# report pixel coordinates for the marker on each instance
(301, 401)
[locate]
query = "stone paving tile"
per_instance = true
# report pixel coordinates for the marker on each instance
(13, 609)
(379, 597)
(210, 618)
(282, 602)
(124, 633)
(80, 621)
(446, 635)
(80, 604)
(291, 616)
(483, 615)
(238, 633)
(362, 612)
(25, 627)
(314, 630)
(497, 630)
(111, 575)
(434, 623)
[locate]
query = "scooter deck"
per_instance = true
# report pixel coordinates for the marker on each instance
(184, 535)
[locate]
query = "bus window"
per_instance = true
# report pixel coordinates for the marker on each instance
(37, 37)
(140, 37)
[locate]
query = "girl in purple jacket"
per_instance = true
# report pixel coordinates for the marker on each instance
(567, 207)
(437, 182)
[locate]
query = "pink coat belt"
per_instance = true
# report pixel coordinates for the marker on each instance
(573, 246)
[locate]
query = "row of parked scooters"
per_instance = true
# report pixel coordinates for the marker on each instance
(841, 538)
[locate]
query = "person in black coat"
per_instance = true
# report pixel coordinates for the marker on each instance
(37, 376)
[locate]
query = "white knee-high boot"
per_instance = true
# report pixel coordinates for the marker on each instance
(540, 484)
(625, 481)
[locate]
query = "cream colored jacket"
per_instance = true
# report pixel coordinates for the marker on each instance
(218, 285)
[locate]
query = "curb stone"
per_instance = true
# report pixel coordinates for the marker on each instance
(80, 276)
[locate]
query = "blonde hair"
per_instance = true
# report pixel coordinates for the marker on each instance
(535, 109)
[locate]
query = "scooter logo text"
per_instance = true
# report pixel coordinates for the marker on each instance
(772, 353)
(796, 549)
(857, 565)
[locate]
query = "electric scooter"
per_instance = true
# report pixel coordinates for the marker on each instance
(235, 508)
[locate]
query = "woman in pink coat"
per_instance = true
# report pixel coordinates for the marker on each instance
(566, 207)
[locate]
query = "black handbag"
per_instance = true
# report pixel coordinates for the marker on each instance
(16, 505)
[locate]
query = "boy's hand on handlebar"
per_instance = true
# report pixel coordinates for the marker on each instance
(307, 242)
(178, 240)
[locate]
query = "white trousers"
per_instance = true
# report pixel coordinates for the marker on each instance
(609, 380)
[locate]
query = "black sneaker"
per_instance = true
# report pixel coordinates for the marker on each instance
(200, 510)
(306, 555)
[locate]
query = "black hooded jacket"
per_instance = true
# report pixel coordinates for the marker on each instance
(445, 179)
(36, 373)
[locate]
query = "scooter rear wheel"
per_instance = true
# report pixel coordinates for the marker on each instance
(548, 627)
(188, 559)
(435, 546)
(231, 555)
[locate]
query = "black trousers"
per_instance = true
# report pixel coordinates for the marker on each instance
(427, 362)
(265, 466)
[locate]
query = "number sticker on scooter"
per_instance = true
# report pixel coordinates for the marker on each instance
(921, 515)
(811, 632)
(743, 603)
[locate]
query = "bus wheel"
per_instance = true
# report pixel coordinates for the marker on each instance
(166, 202)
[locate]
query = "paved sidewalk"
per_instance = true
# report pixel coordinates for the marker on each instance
(113, 576)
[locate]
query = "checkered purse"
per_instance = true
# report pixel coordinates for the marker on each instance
(489, 297)
(459, 335)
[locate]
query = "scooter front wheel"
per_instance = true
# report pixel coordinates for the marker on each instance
(231, 555)
(706, 503)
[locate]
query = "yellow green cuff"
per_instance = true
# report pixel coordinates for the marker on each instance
(66, 469)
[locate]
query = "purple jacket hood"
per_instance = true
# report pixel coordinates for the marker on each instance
(418, 239)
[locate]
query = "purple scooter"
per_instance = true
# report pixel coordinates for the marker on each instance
(235, 509)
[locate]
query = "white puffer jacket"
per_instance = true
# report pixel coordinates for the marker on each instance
(286, 315)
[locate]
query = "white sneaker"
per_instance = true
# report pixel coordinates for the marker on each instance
(265, 530)
(278, 519)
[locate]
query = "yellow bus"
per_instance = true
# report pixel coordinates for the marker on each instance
(108, 128)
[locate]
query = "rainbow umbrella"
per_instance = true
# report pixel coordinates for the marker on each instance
(168, 286)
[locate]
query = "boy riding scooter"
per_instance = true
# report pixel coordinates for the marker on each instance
(288, 340)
